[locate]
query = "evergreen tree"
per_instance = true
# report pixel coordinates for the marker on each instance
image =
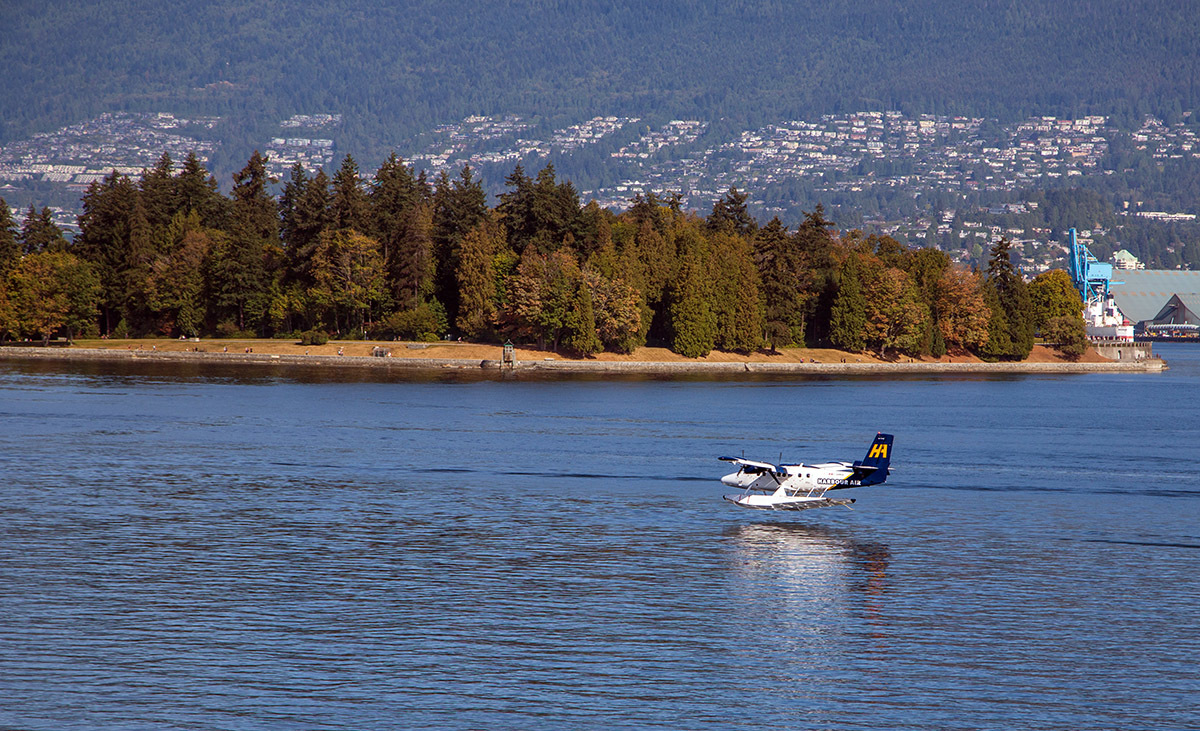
(293, 188)
(516, 209)
(998, 345)
(139, 257)
(937, 347)
(349, 207)
(656, 254)
(239, 269)
(730, 213)
(541, 211)
(595, 230)
(555, 210)
(196, 190)
(785, 279)
(40, 233)
(580, 324)
(393, 194)
(1014, 300)
(692, 323)
(848, 317)
(312, 216)
(411, 268)
(10, 247)
(304, 215)
(457, 208)
(736, 302)
(103, 240)
(815, 242)
(476, 278)
(158, 193)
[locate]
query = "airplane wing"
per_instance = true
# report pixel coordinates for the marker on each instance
(748, 463)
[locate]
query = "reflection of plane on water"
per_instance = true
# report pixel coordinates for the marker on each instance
(803, 486)
(815, 563)
(809, 549)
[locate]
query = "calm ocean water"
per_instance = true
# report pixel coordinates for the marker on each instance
(202, 549)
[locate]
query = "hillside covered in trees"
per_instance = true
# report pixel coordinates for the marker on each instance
(395, 69)
(394, 255)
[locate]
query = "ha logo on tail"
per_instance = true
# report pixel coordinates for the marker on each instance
(803, 486)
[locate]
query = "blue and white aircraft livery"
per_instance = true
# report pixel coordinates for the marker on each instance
(803, 486)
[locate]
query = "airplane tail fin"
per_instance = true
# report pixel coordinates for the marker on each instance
(875, 464)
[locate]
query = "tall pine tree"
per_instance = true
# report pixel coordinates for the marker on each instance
(103, 240)
(349, 206)
(10, 249)
(393, 194)
(781, 267)
(1014, 301)
(848, 317)
(457, 208)
(240, 275)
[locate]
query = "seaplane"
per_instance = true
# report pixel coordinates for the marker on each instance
(803, 486)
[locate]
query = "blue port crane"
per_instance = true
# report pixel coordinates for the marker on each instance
(1090, 275)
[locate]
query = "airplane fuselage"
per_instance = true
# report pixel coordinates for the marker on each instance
(794, 477)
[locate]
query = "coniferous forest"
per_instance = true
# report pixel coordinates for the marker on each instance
(396, 255)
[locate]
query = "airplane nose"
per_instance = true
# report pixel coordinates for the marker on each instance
(730, 479)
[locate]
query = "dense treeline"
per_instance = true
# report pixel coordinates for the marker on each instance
(394, 70)
(397, 255)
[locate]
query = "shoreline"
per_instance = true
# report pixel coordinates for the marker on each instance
(558, 366)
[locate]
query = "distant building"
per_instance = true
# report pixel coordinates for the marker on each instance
(1144, 295)
(1124, 260)
(1181, 309)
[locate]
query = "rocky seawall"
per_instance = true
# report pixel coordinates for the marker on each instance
(653, 368)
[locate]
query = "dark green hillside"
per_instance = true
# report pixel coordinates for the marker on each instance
(394, 69)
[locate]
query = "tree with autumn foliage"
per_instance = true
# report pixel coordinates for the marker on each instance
(348, 278)
(617, 312)
(175, 285)
(543, 298)
(960, 309)
(47, 291)
(895, 315)
(1052, 294)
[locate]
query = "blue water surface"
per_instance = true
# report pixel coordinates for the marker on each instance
(186, 548)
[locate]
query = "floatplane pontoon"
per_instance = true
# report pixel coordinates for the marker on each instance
(803, 486)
